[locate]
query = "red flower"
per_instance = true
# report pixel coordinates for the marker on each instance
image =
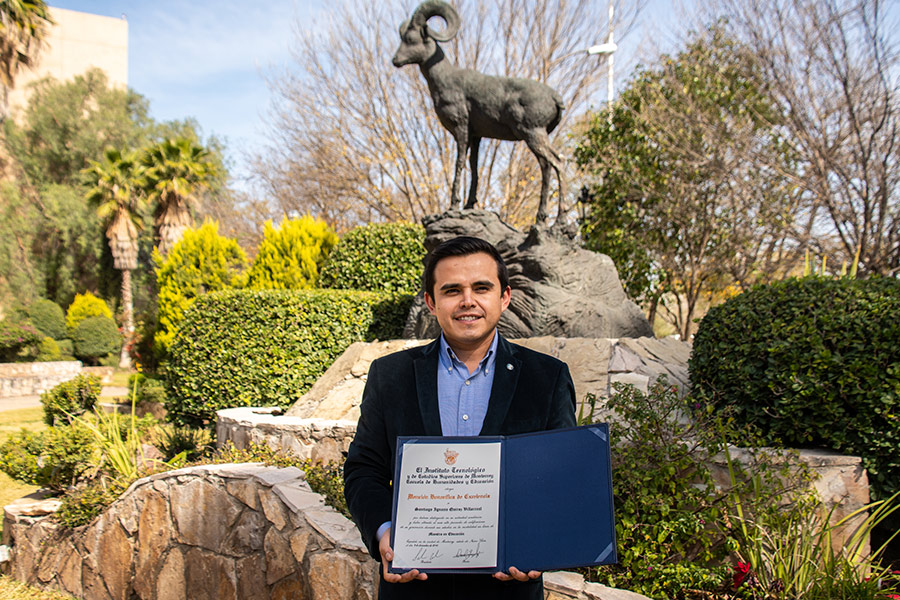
(741, 573)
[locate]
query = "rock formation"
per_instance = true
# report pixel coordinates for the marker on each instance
(558, 288)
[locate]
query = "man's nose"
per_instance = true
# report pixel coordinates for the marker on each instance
(467, 298)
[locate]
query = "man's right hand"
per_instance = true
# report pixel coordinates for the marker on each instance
(387, 555)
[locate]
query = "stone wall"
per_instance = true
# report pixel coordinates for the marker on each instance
(240, 532)
(31, 379)
(35, 378)
(320, 440)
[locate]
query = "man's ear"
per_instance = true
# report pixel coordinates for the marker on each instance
(504, 298)
(429, 302)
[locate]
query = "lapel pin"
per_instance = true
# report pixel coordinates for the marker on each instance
(509, 366)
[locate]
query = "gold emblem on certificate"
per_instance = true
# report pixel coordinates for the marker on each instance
(450, 456)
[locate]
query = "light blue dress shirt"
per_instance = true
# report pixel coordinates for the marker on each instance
(463, 397)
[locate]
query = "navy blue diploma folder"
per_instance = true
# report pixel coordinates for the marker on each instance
(555, 499)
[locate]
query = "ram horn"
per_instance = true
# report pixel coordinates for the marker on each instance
(436, 8)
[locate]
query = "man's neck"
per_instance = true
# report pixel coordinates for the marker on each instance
(472, 356)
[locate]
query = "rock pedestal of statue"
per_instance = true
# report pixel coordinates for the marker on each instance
(558, 288)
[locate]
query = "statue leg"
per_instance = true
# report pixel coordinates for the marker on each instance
(473, 165)
(462, 145)
(539, 143)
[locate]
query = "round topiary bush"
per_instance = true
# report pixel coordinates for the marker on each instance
(49, 319)
(267, 347)
(811, 362)
(96, 337)
(48, 351)
(379, 257)
(83, 306)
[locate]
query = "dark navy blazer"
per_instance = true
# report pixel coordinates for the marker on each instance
(531, 392)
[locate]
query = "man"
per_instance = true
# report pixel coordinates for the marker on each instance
(470, 381)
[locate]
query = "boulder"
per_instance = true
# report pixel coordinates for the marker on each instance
(558, 288)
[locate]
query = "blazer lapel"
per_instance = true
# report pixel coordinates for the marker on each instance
(506, 376)
(426, 388)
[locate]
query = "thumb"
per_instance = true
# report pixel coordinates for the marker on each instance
(389, 554)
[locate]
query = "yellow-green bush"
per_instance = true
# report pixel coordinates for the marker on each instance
(203, 261)
(49, 318)
(83, 306)
(290, 257)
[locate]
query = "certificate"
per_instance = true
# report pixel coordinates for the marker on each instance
(536, 501)
(448, 514)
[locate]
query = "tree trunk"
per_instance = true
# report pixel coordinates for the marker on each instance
(128, 325)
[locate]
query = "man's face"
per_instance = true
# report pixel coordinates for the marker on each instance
(467, 299)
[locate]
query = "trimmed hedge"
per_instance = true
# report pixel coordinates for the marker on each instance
(49, 318)
(96, 337)
(379, 257)
(55, 458)
(267, 347)
(810, 362)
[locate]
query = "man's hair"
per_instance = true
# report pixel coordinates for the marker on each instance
(464, 245)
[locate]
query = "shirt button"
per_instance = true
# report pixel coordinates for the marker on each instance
(468, 381)
(465, 417)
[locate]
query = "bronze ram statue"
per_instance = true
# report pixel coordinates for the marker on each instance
(471, 105)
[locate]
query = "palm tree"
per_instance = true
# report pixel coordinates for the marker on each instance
(23, 26)
(114, 192)
(176, 172)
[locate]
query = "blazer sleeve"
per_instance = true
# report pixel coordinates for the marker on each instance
(562, 407)
(367, 470)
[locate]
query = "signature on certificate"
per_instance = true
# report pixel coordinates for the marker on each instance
(467, 554)
(426, 556)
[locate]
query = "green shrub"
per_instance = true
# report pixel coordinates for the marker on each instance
(49, 318)
(80, 507)
(84, 306)
(48, 350)
(95, 338)
(17, 337)
(72, 397)
(56, 458)
(810, 362)
(267, 347)
(203, 261)
(193, 443)
(379, 257)
(66, 349)
(290, 257)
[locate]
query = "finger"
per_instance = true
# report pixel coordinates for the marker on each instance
(502, 576)
(517, 574)
(534, 574)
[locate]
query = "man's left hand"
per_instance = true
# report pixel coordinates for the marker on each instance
(517, 575)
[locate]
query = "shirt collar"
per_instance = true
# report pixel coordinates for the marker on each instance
(448, 357)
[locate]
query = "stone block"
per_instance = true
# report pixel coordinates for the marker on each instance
(332, 575)
(273, 508)
(196, 527)
(564, 582)
(279, 557)
(335, 527)
(251, 578)
(244, 490)
(596, 591)
(116, 558)
(291, 588)
(208, 576)
(271, 477)
(247, 534)
(171, 584)
(641, 382)
(154, 530)
(298, 496)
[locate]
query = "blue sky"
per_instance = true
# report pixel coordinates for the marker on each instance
(207, 59)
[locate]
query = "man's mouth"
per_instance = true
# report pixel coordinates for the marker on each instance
(468, 318)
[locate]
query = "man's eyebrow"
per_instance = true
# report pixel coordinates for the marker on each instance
(452, 285)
